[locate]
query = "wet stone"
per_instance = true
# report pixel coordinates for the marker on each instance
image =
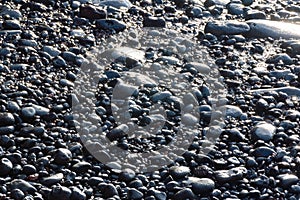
(6, 119)
(203, 186)
(92, 12)
(5, 166)
(179, 172)
(226, 28)
(60, 193)
(263, 151)
(62, 156)
(22, 185)
(11, 25)
(154, 22)
(52, 180)
(110, 24)
(263, 131)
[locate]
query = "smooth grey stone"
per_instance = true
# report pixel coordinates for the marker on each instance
(235, 8)
(200, 67)
(62, 156)
(10, 12)
(81, 167)
(12, 106)
(247, 2)
(291, 91)
(255, 14)
(179, 172)
(10, 32)
(19, 67)
(286, 180)
(52, 51)
(233, 174)
(52, 180)
(23, 185)
(110, 24)
(59, 62)
(227, 27)
(286, 59)
(117, 132)
(108, 190)
(6, 130)
(60, 193)
(31, 43)
(40, 110)
(92, 12)
(209, 3)
(77, 194)
(232, 111)
(11, 25)
(134, 194)
(17, 194)
(116, 3)
(266, 28)
(279, 73)
(154, 22)
(203, 186)
(186, 193)
(6, 119)
(292, 46)
(263, 151)
(263, 131)
(5, 166)
(28, 112)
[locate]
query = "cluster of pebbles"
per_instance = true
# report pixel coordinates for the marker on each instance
(254, 43)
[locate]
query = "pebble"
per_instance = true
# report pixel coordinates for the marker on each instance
(17, 194)
(23, 185)
(62, 156)
(81, 167)
(286, 59)
(263, 131)
(265, 28)
(233, 174)
(226, 28)
(92, 12)
(28, 112)
(52, 180)
(202, 186)
(11, 25)
(60, 193)
(6, 119)
(134, 194)
(233, 111)
(287, 180)
(77, 194)
(117, 132)
(263, 151)
(186, 193)
(179, 172)
(10, 12)
(235, 8)
(107, 190)
(154, 22)
(291, 91)
(5, 166)
(116, 3)
(110, 24)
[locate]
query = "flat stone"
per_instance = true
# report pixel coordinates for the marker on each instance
(23, 185)
(287, 180)
(202, 186)
(110, 24)
(115, 3)
(227, 28)
(233, 111)
(52, 180)
(275, 29)
(230, 175)
(179, 172)
(11, 25)
(92, 12)
(263, 151)
(154, 22)
(6, 119)
(291, 91)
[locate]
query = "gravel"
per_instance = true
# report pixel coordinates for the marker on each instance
(255, 46)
